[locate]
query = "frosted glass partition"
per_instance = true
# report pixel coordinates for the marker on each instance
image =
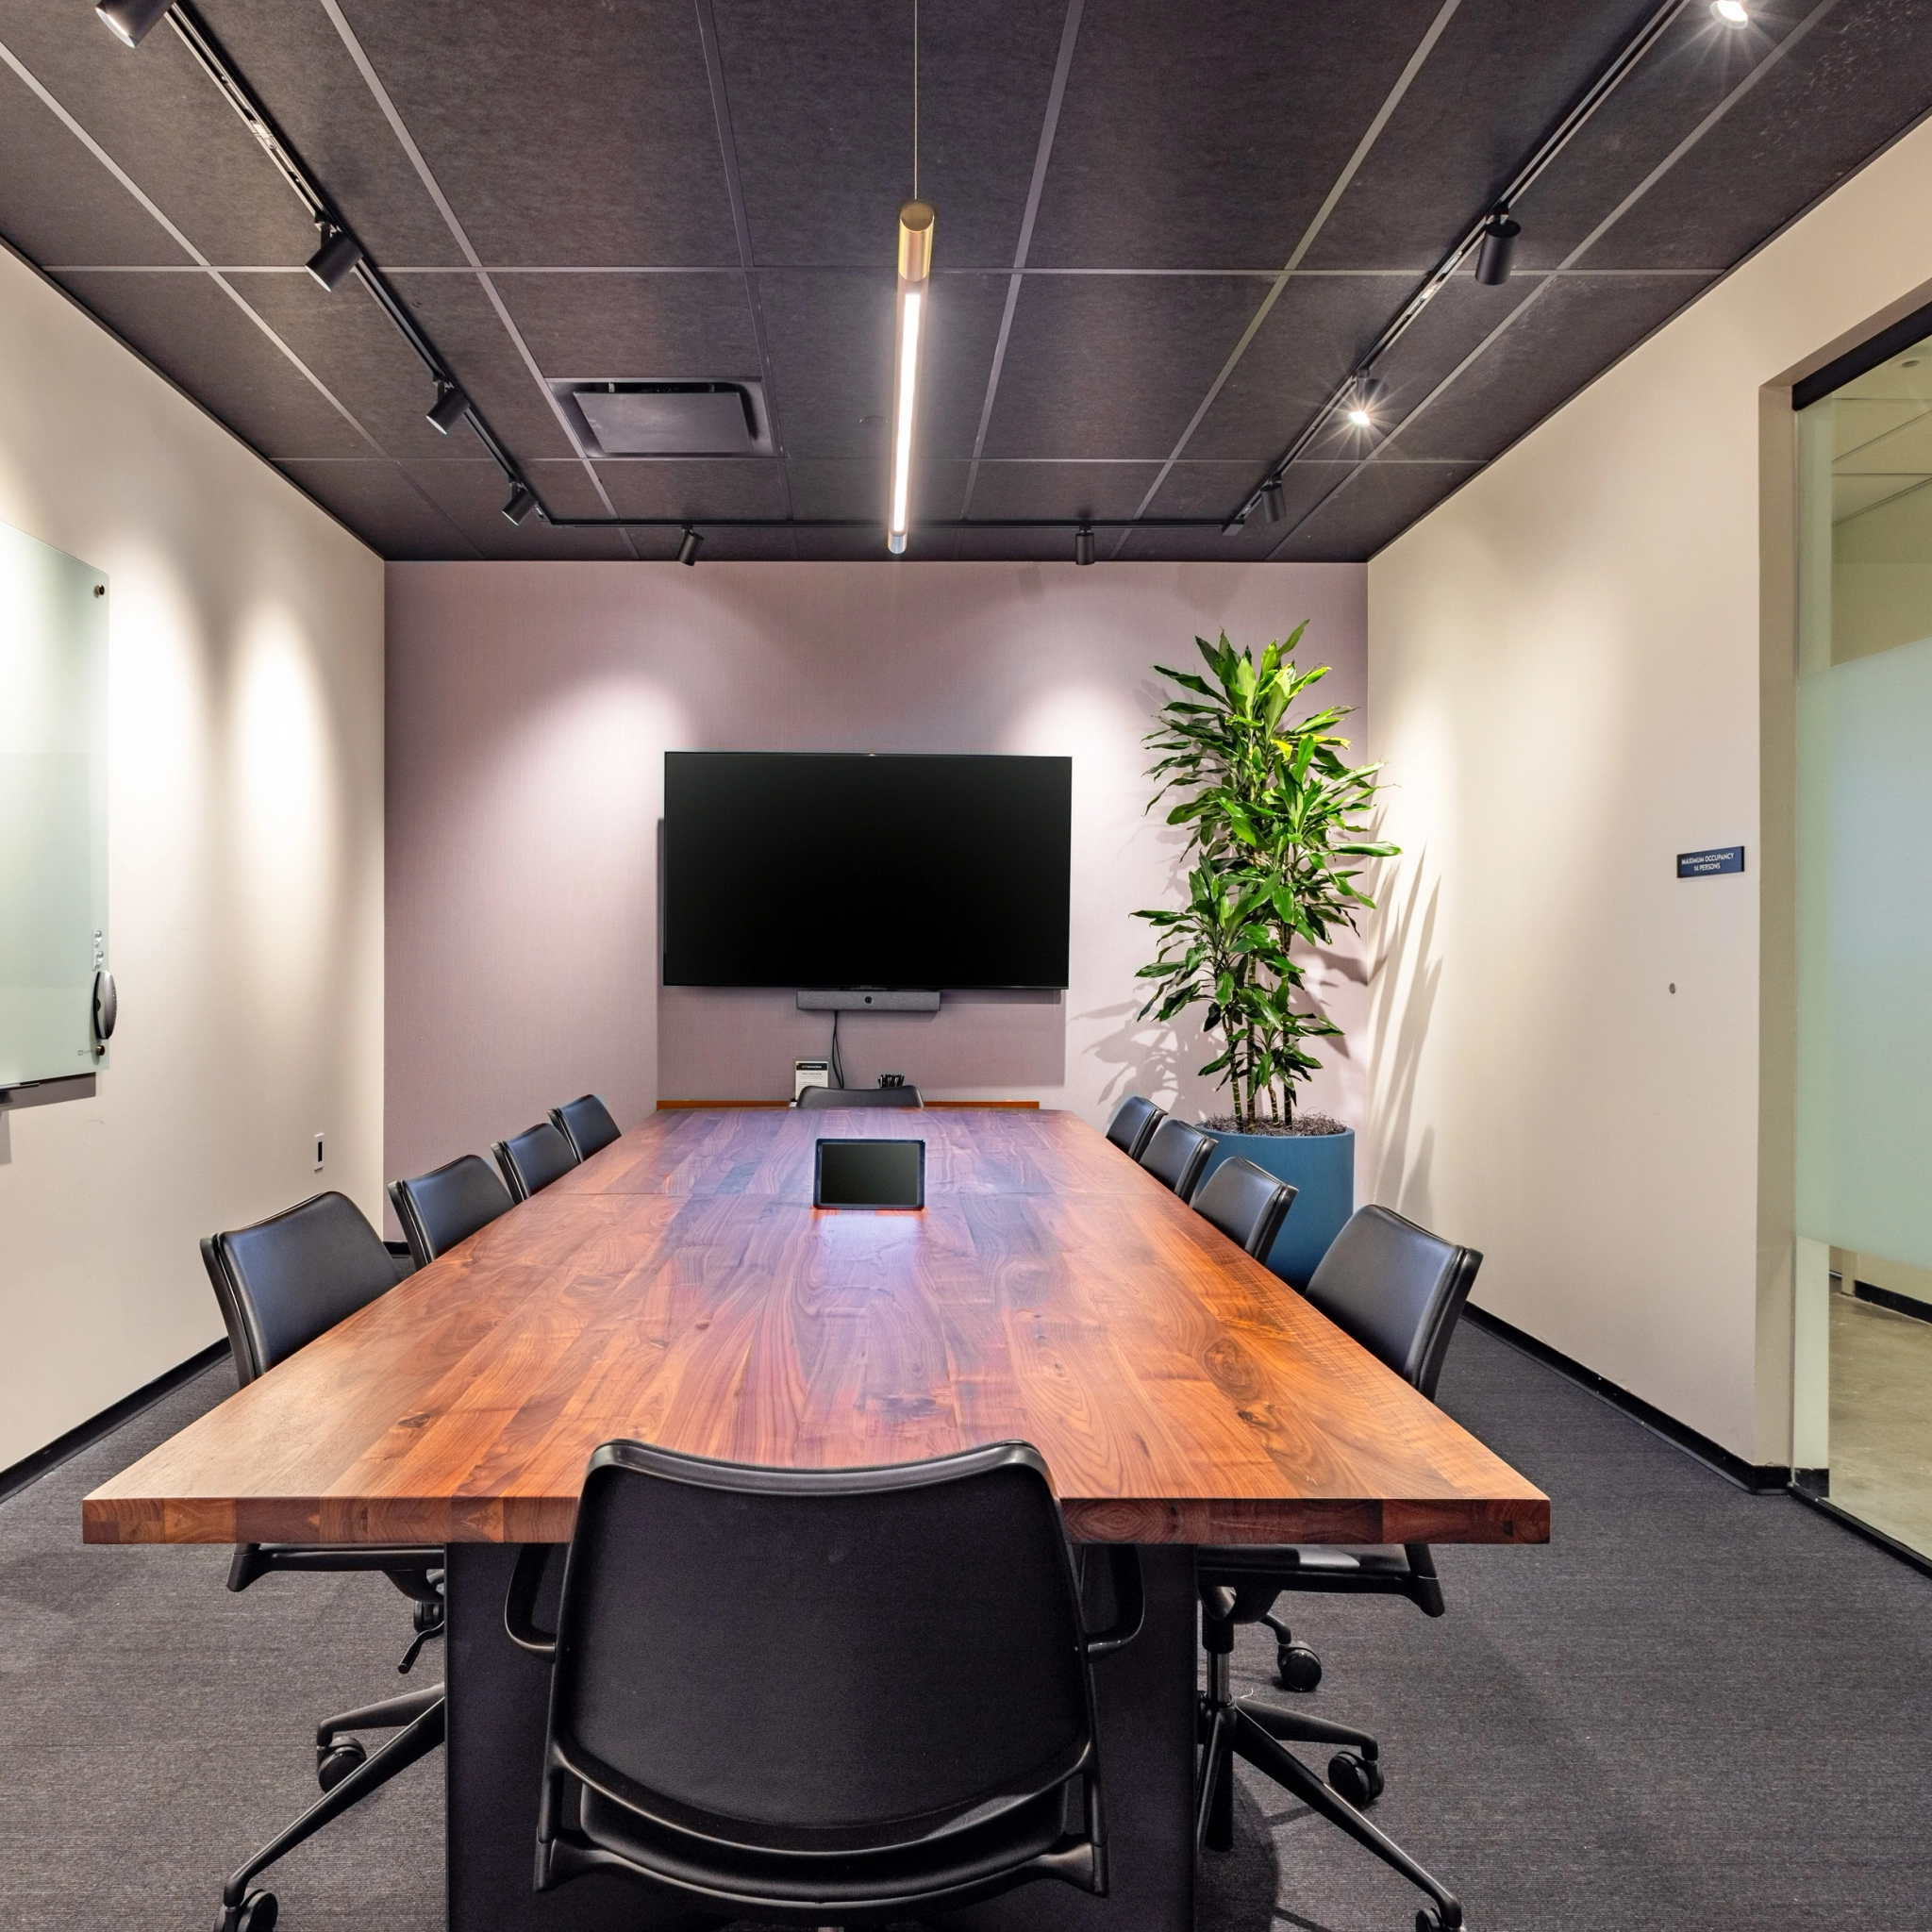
(53, 810)
(1865, 954)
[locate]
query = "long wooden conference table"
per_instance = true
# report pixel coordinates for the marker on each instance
(680, 1288)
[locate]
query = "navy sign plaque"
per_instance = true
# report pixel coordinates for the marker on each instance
(1704, 865)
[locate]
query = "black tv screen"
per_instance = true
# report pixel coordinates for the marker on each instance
(832, 870)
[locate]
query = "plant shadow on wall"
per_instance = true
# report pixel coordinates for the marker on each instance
(1405, 971)
(1273, 815)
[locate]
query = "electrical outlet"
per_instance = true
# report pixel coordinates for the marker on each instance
(318, 1153)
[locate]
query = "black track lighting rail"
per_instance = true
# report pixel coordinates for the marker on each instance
(1567, 127)
(213, 60)
(1074, 524)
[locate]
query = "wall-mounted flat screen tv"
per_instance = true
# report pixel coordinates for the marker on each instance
(831, 869)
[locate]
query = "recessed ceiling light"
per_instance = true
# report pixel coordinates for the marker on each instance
(1732, 12)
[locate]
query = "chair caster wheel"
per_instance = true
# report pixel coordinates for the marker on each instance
(1298, 1667)
(256, 1913)
(334, 1762)
(1356, 1780)
(1429, 1920)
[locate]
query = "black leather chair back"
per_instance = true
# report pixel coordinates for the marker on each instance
(286, 1279)
(815, 1098)
(1133, 1124)
(934, 1710)
(586, 1124)
(1397, 1289)
(532, 1159)
(1246, 1202)
(1175, 1152)
(447, 1206)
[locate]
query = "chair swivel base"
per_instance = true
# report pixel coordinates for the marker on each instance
(346, 1776)
(1243, 1727)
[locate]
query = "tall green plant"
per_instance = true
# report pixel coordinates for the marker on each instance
(1273, 814)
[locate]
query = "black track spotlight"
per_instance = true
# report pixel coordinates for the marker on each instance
(1499, 245)
(688, 547)
(1365, 400)
(131, 21)
(335, 261)
(523, 500)
(1083, 546)
(1273, 507)
(449, 408)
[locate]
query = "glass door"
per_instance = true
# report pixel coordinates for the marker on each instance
(1863, 1421)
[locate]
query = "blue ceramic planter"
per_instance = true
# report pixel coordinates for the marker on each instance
(1322, 1168)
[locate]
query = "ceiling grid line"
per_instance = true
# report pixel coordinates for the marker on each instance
(1636, 194)
(1049, 127)
(741, 225)
(391, 113)
(1373, 133)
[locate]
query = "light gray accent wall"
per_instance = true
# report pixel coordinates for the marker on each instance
(530, 707)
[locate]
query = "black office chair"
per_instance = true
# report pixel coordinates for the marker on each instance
(816, 1097)
(1175, 1152)
(448, 1205)
(931, 1743)
(1398, 1290)
(532, 1159)
(1246, 1202)
(586, 1124)
(280, 1284)
(1133, 1124)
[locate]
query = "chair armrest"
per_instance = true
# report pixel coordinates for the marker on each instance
(519, 1602)
(1130, 1602)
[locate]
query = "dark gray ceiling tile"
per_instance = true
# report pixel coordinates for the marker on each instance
(853, 487)
(578, 131)
(354, 347)
(821, 112)
(568, 488)
(1313, 338)
(831, 336)
(378, 501)
(1374, 505)
(1501, 74)
(694, 487)
(471, 492)
(1061, 490)
(831, 342)
(196, 336)
(1573, 330)
(58, 203)
(1689, 72)
(668, 327)
(841, 546)
(299, 68)
(1861, 75)
(154, 110)
(457, 312)
(1207, 136)
(1113, 365)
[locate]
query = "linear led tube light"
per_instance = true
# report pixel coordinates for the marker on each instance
(915, 265)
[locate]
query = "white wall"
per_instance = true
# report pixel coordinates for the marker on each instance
(1572, 664)
(530, 706)
(244, 868)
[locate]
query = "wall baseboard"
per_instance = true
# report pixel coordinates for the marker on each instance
(1757, 1477)
(1891, 1298)
(31, 1469)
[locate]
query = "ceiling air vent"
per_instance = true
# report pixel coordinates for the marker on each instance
(642, 418)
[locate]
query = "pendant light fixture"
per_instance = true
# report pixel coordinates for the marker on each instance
(915, 268)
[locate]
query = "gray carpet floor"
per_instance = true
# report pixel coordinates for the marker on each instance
(1695, 1709)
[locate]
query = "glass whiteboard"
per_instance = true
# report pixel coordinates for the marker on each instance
(53, 810)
